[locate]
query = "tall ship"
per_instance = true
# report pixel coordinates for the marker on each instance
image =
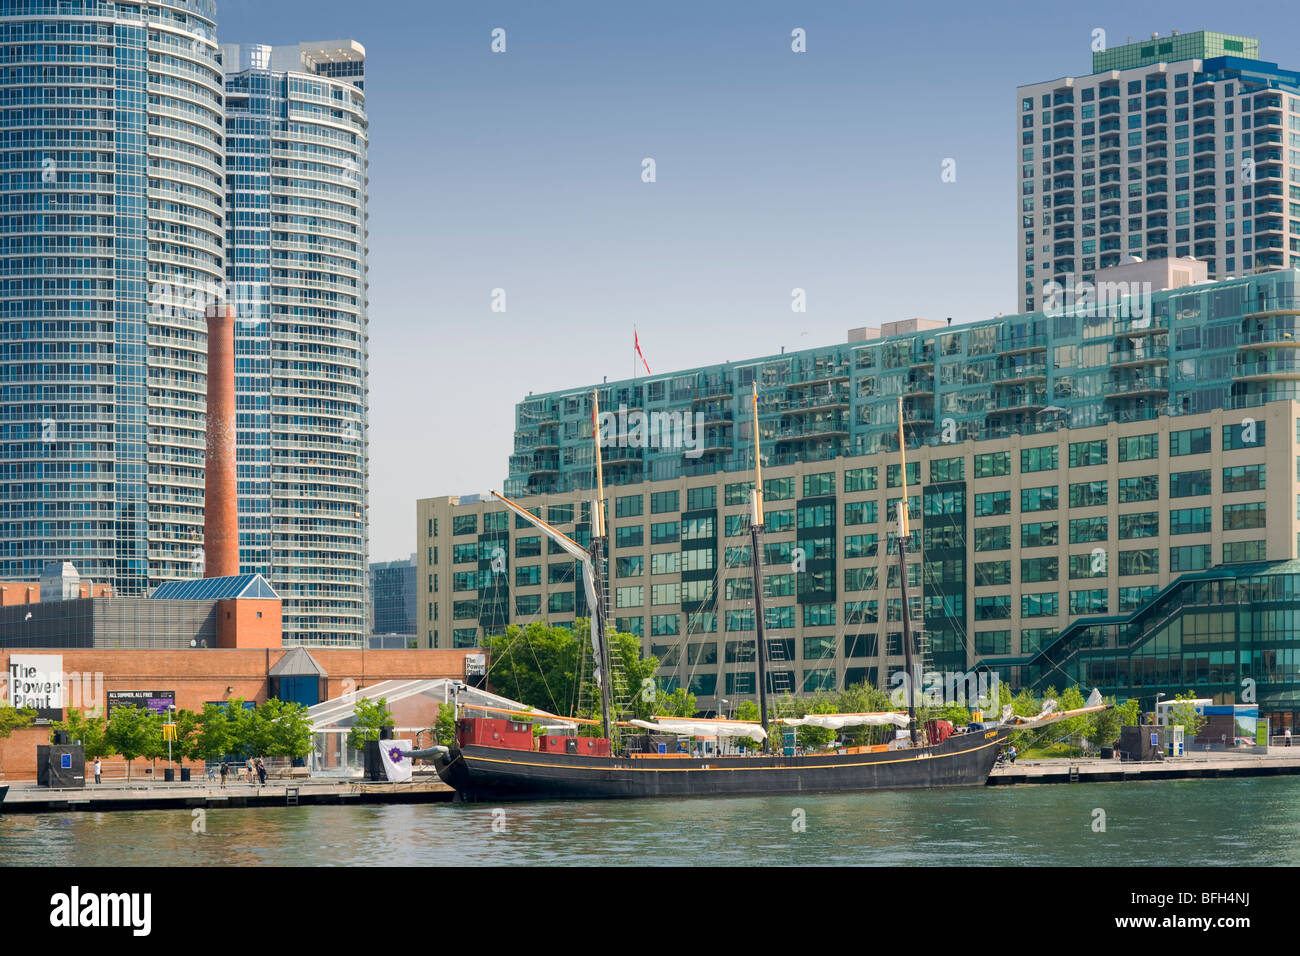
(500, 758)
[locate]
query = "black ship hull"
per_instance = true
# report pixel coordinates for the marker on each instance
(4, 792)
(492, 773)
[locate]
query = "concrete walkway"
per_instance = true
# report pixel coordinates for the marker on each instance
(1278, 760)
(118, 795)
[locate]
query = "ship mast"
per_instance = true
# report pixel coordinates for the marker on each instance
(598, 613)
(755, 530)
(902, 580)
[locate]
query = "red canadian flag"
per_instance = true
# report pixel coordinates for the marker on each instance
(636, 341)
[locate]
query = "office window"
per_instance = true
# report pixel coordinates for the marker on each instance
(1088, 494)
(1244, 516)
(737, 493)
(819, 484)
(861, 545)
(528, 575)
(1235, 552)
(663, 625)
(629, 506)
(1140, 488)
(992, 503)
(663, 501)
(1046, 604)
(1192, 441)
(993, 464)
(464, 524)
(1139, 525)
(992, 642)
(778, 489)
(700, 499)
(1036, 570)
(993, 608)
(560, 514)
(1088, 529)
(860, 479)
(992, 573)
(665, 532)
(1038, 459)
(861, 512)
(947, 469)
(1247, 434)
(1243, 478)
(996, 538)
(1039, 499)
(1188, 484)
(1130, 599)
(1143, 561)
(1039, 534)
(1139, 447)
(1189, 521)
(1094, 601)
(1086, 453)
(913, 474)
(1192, 557)
(630, 567)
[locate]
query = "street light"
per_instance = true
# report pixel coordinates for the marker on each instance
(1156, 713)
(722, 702)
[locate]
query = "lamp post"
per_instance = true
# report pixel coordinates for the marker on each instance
(1155, 713)
(722, 704)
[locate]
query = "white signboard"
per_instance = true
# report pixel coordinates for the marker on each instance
(36, 681)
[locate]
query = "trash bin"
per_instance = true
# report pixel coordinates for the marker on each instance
(169, 775)
(185, 774)
(1107, 753)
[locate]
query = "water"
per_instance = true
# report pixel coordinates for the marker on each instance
(1241, 822)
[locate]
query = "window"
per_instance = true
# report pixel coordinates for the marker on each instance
(781, 520)
(860, 545)
(818, 485)
(913, 474)
(1188, 484)
(1038, 459)
(947, 469)
(859, 579)
(665, 532)
(1243, 478)
(663, 625)
(1038, 499)
(1095, 601)
(1089, 565)
(699, 499)
(1237, 551)
(1130, 599)
(1088, 494)
(736, 525)
(993, 464)
(778, 489)
(527, 604)
(1139, 525)
(1144, 561)
(992, 572)
(629, 596)
(699, 529)
(992, 642)
(1035, 570)
(1189, 521)
(1193, 441)
(992, 503)
(1088, 529)
(996, 538)
(1046, 604)
(629, 506)
(561, 573)
(1139, 447)
(1039, 534)
(560, 514)
(464, 524)
(861, 512)
(629, 567)
(994, 608)
(738, 493)
(529, 547)
(666, 562)
(819, 615)
(527, 575)
(1192, 557)
(496, 521)
(860, 479)
(560, 602)
(663, 501)
(1244, 516)
(1141, 488)
(629, 536)
(1248, 434)
(630, 625)
(1085, 453)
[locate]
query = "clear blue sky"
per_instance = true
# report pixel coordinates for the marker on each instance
(775, 170)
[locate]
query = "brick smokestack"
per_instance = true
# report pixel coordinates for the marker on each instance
(220, 511)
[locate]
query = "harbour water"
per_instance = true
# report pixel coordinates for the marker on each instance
(1235, 822)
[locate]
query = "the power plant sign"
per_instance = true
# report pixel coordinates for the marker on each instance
(36, 682)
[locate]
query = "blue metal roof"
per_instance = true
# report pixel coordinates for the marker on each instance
(211, 589)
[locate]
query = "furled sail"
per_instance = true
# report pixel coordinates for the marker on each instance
(703, 728)
(838, 721)
(1049, 713)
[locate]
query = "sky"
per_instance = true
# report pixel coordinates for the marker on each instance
(774, 170)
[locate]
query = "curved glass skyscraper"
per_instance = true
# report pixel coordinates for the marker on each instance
(296, 252)
(111, 188)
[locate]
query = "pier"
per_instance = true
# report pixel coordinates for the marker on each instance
(1278, 761)
(29, 798)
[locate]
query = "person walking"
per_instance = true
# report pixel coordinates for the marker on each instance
(98, 768)
(248, 770)
(261, 772)
(225, 772)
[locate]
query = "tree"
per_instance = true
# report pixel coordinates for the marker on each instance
(11, 719)
(87, 731)
(677, 703)
(369, 718)
(288, 729)
(239, 728)
(444, 728)
(187, 727)
(214, 737)
(1182, 710)
(1106, 724)
(537, 665)
(748, 710)
(129, 733)
(864, 698)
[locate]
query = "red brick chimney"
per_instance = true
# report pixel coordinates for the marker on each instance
(220, 511)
